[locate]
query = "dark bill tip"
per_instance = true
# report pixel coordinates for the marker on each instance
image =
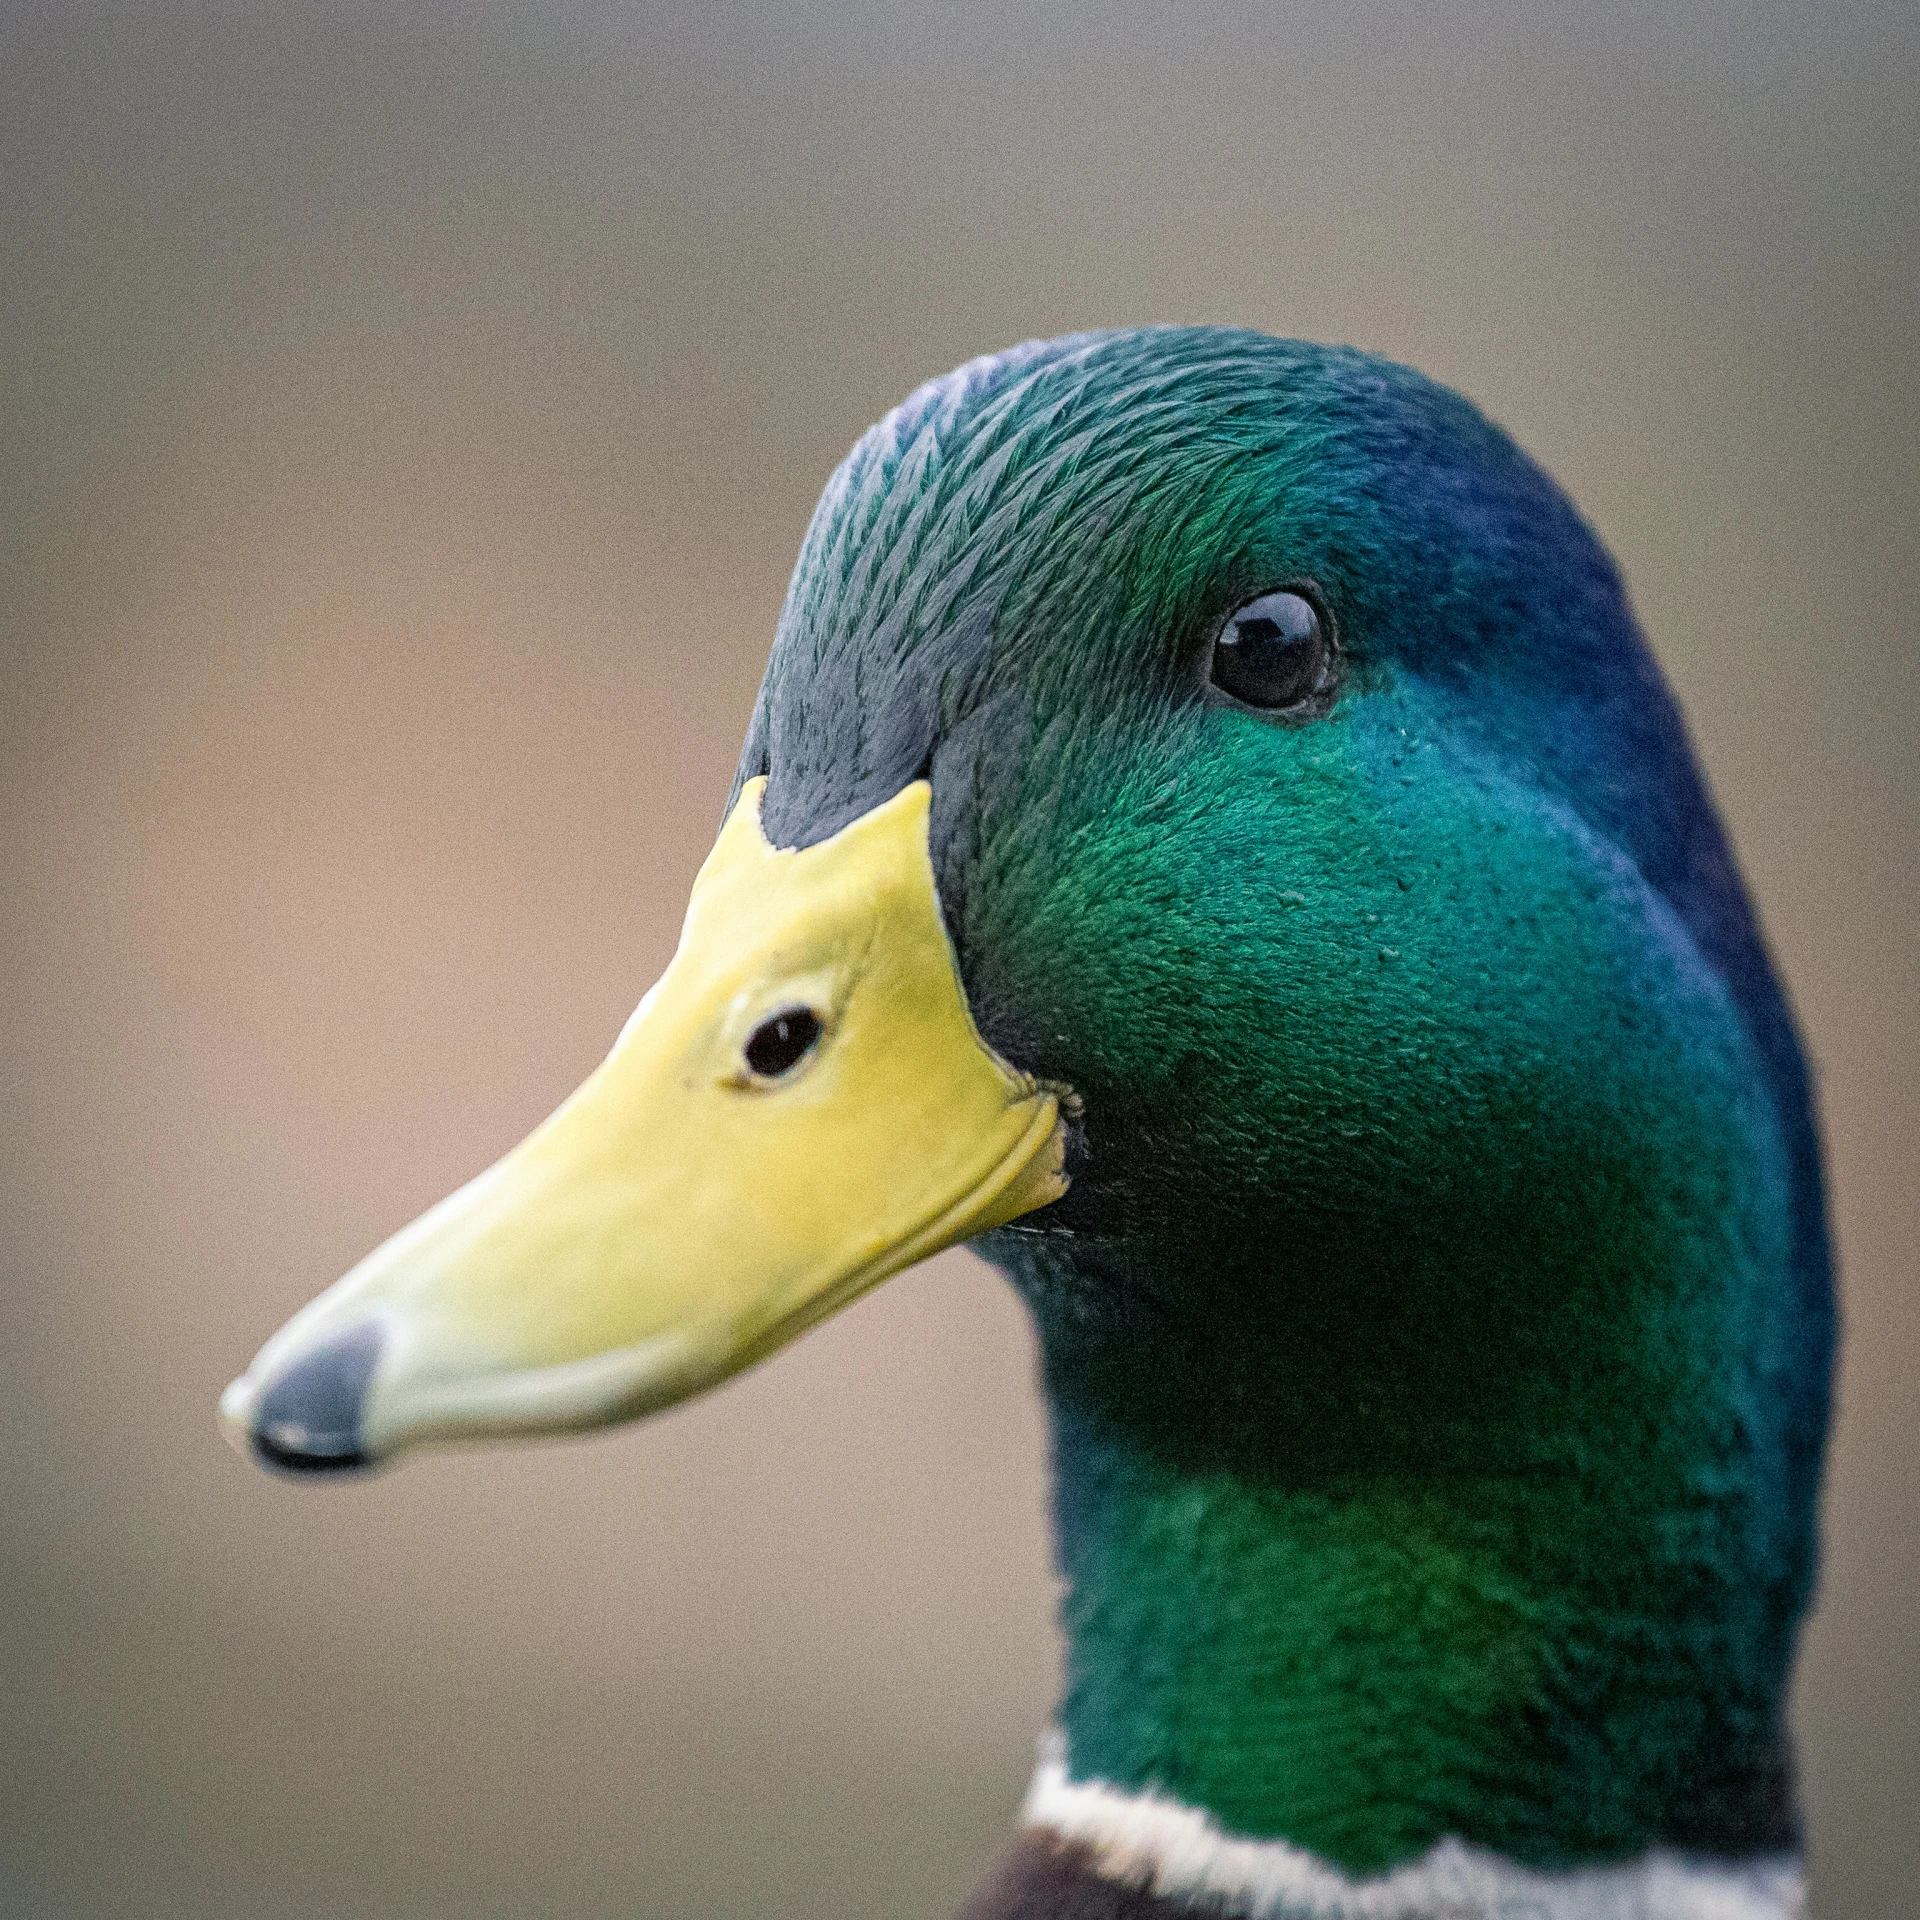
(309, 1419)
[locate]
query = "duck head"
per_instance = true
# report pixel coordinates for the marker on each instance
(1212, 835)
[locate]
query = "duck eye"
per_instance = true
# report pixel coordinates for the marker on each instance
(778, 1045)
(1273, 652)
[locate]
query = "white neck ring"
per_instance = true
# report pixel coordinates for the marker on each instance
(1159, 1845)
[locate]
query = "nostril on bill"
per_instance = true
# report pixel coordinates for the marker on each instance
(778, 1045)
(308, 1420)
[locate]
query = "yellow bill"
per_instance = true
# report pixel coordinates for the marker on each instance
(800, 1107)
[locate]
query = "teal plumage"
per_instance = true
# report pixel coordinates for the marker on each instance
(1437, 1329)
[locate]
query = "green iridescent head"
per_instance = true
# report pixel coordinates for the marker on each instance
(1437, 1326)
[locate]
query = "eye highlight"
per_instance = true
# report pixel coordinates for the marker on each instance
(1274, 653)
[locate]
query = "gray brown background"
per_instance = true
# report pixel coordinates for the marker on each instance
(409, 419)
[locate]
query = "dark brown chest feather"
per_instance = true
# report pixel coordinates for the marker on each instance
(1043, 1877)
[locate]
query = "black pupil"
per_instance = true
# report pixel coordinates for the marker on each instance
(1271, 653)
(778, 1045)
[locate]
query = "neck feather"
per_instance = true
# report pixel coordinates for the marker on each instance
(1566, 1657)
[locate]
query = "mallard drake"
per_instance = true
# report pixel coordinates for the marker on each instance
(1212, 836)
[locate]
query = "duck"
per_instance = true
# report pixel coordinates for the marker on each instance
(1213, 837)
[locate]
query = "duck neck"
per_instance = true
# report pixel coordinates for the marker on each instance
(1555, 1633)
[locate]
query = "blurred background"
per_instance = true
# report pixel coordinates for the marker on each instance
(410, 416)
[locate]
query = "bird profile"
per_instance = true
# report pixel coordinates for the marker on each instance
(1213, 838)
